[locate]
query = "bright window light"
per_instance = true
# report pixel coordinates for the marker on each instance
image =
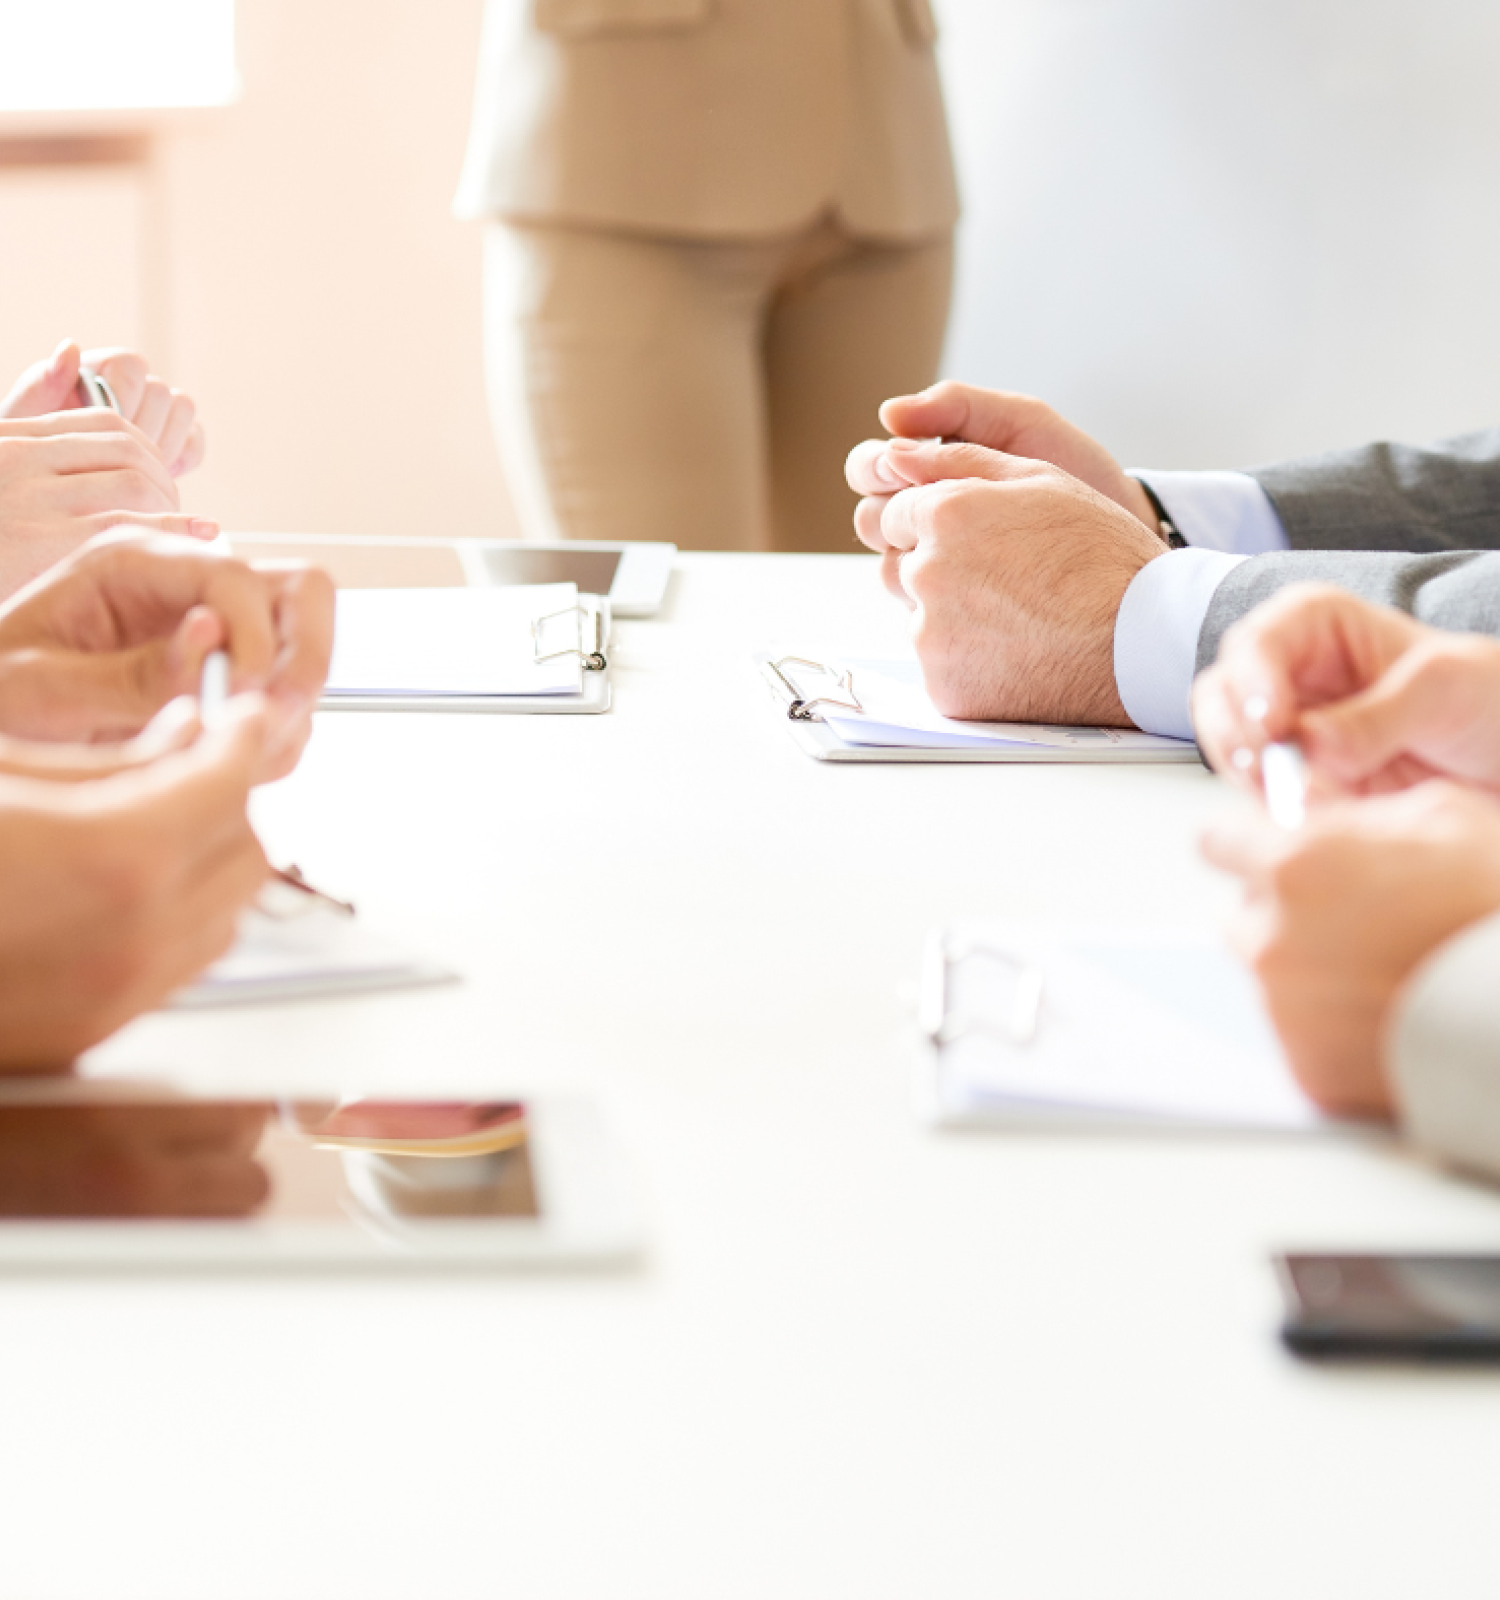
(68, 55)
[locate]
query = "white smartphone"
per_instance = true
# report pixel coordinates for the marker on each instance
(107, 1176)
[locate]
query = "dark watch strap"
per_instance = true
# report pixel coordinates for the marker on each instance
(1169, 529)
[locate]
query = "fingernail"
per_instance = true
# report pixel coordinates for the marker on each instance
(204, 528)
(886, 476)
(57, 355)
(904, 444)
(1243, 759)
(1257, 708)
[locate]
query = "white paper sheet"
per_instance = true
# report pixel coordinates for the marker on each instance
(898, 714)
(1147, 1028)
(436, 642)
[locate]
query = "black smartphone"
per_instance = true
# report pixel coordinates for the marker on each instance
(1392, 1307)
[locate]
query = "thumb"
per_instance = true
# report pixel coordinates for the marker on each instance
(960, 411)
(928, 461)
(106, 694)
(1245, 845)
(216, 773)
(48, 387)
(62, 370)
(235, 745)
(109, 694)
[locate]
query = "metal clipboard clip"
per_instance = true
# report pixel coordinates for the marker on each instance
(799, 706)
(1023, 1018)
(593, 659)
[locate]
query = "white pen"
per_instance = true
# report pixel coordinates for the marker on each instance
(213, 688)
(1283, 770)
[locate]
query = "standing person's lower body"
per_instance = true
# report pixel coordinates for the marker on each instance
(703, 392)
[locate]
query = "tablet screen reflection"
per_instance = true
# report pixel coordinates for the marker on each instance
(380, 1162)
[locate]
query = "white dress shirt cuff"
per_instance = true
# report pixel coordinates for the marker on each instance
(1219, 511)
(1445, 1051)
(1156, 636)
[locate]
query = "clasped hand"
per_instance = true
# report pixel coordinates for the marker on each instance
(68, 473)
(1013, 544)
(165, 417)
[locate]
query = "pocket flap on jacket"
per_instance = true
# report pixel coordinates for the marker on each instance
(618, 16)
(918, 21)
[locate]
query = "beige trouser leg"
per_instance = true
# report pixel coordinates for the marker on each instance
(856, 328)
(701, 392)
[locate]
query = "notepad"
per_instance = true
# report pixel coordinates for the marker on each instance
(458, 643)
(857, 709)
(1026, 1026)
(319, 952)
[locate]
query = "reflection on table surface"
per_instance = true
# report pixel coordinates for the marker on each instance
(72, 1150)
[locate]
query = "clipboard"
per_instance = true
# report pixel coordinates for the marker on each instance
(1029, 1027)
(297, 942)
(805, 688)
(591, 646)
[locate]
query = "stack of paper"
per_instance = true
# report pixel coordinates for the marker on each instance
(444, 646)
(1130, 1029)
(897, 711)
(322, 951)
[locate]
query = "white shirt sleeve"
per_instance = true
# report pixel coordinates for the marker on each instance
(1156, 636)
(1225, 517)
(1225, 511)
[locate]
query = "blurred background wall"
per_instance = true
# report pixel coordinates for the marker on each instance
(1214, 231)
(290, 258)
(1219, 231)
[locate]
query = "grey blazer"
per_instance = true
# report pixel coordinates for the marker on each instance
(1348, 514)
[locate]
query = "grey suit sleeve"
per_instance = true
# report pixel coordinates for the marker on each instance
(1459, 590)
(1445, 1052)
(1391, 496)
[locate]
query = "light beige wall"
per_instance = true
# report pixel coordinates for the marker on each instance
(327, 305)
(300, 272)
(71, 251)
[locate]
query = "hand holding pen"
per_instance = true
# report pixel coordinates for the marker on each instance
(98, 646)
(1372, 740)
(1373, 700)
(121, 381)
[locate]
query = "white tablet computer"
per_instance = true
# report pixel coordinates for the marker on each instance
(632, 576)
(126, 1177)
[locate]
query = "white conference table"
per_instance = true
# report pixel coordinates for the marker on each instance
(862, 1359)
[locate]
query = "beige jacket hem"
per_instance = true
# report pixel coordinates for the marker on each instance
(1445, 1052)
